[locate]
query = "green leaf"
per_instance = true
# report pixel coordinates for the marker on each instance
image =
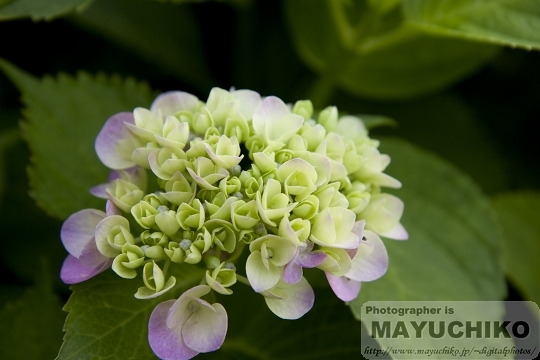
(514, 23)
(63, 117)
(256, 333)
(172, 43)
(7, 139)
(376, 54)
(106, 321)
(454, 251)
(38, 9)
(519, 213)
(31, 327)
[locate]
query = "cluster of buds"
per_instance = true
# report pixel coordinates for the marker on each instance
(201, 183)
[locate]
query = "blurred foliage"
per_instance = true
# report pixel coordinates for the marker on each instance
(435, 67)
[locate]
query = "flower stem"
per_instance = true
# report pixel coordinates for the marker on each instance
(243, 280)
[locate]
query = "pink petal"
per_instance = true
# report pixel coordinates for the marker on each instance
(74, 272)
(90, 256)
(206, 328)
(100, 191)
(270, 110)
(345, 289)
(292, 273)
(311, 259)
(165, 342)
(171, 102)
(249, 101)
(108, 138)
(79, 229)
(371, 266)
(111, 209)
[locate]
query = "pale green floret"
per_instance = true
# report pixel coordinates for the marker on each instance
(140, 155)
(265, 160)
(124, 194)
(304, 108)
(147, 124)
(283, 156)
(297, 230)
(111, 234)
(144, 214)
(269, 254)
(201, 121)
(244, 215)
(382, 213)
(237, 126)
(166, 220)
(154, 238)
(307, 208)
(330, 196)
(337, 262)
(221, 104)
(197, 148)
(155, 252)
(191, 216)
(252, 186)
(154, 279)
(179, 190)
(329, 118)
(167, 161)
(273, 204)
(255, 144)
(230, 185)
(298, 178)
(226, 153)
(221, 234)
(297, 144)
(220, 207)
(175, 133)
(358, 201)
(221, 278)
(131, 258)
(206, 174)
(175, 252)
(313, 136)
(333, 226)
(334, 147)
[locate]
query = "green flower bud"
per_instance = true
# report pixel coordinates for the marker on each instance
(303, 108)
(225, 153)
(330, 196)
(329, 118)
(297, 144)
(144, 214)
(140, 155)
(220, 207)
(307, 208)
(175, 133)
(179, 190)
(211, 261)
(284, 155)
(253, 186)
(206, 174)
(221, 233)
(255, 144)
(221, 278)
(247, 236)
(167, 161)
(313, 136)
(358, 201)
(296, 231)
(174, 252)
(154, 238)
(166, 220)
(230, 185)
(155, 283)
(155, 252)
(273, 204)
(111, 234)
(190, 215)
(265, 160)
(298, 177)
(124, 194)
(237, 126)
(201, 121)
(131, 258)
(147, 124)
(244, 215)
(332, 227)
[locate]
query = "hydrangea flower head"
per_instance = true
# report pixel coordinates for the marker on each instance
(239, 173)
